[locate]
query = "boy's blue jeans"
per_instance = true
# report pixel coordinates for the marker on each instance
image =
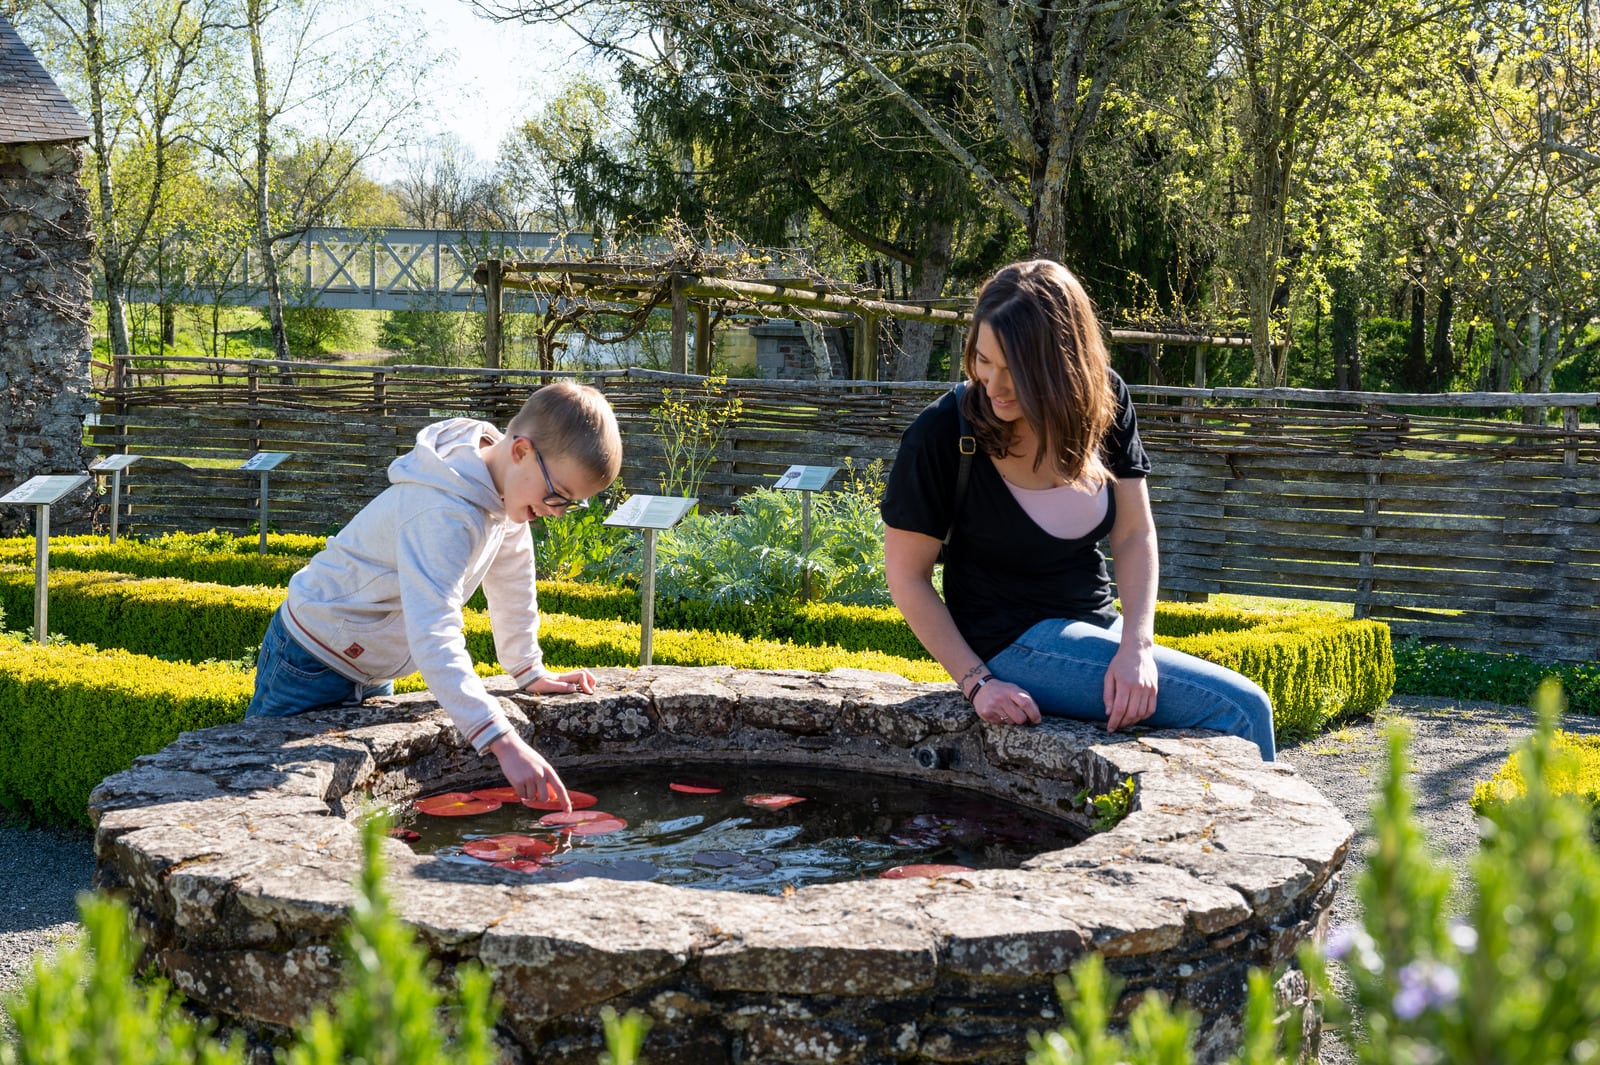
(291, 680)
(1062, 664)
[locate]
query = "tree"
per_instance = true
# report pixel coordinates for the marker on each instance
(538, 158)
(1295, 71)
(1011, 95)
(138, 72)
(332, 99)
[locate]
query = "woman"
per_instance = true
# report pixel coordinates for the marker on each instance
(1027, 624)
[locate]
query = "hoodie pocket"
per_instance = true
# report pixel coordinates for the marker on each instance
(377, 650)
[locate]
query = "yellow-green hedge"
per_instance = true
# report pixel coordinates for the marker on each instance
(1573, 769)
(71, 715)
(1317, 669)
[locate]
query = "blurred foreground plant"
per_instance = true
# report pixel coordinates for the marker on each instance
(85, 1007)
(1516, 979)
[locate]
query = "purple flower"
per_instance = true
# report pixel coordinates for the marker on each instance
(1341, 938)
(1425, 985)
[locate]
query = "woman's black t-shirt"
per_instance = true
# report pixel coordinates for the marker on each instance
(1002, 573)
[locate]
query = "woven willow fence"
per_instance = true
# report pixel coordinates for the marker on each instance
(1433, 513)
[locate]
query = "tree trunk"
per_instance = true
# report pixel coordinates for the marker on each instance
(1442, 370)
(916, 338)
(1346, 329)
(112, 266)
(269, 261)
(1415, 370)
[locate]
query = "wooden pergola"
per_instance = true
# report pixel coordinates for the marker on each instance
(702, 293)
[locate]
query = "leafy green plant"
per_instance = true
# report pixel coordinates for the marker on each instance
(755, 554)
(1516, 977)
(1423, 668)
(690, 426)
(1107, 809)
(1513, 978)
(87, 1007)
(581, 546)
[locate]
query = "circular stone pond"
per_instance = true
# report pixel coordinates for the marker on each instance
(238, 848)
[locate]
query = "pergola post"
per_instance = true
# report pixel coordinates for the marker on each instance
(680, 326)
(492, 320)
(866, 368)
(702, 339)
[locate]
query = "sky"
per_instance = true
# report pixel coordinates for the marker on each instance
(502, 72)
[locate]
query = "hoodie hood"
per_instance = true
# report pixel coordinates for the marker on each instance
(446, 459)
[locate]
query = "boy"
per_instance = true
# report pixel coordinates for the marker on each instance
(384, 596)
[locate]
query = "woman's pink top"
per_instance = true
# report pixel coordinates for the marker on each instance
(1065, 511)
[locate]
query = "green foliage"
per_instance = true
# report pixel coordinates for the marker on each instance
(1440, 669)
(85, 1008)
(431, 336)
(690, 426)
(318, 330)
(755, 553)
(581, 546)
(1517, 977)
(1107, 809)
(71, 715)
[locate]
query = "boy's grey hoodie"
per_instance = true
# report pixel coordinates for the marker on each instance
(384, 597)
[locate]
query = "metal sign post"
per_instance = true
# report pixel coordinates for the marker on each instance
(264, 462)
(114, 465)
(649, 513)
(805, 480)
(41, 492)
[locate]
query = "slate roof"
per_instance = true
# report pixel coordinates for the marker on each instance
(32, 108)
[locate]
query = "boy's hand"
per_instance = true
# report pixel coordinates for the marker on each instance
(529, 775)
(577, 680)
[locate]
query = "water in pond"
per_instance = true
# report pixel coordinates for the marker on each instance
(739, 828)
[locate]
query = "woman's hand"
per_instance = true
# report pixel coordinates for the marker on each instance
(1003, 703)
(1130, 688)
(577, 680)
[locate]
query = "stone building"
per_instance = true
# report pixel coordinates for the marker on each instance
(46, 290)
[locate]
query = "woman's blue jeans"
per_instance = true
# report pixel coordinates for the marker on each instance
(1062, 664)
(292, 680)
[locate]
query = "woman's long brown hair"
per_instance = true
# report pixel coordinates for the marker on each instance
(1046, 326)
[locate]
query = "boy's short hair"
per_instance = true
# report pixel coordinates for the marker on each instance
(574, 421)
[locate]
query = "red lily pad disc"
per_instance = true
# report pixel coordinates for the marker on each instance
(454, 804)
(581, 800)
(409, 835)
(584, 822)
(518, 865)
(695, 787)
(907, 872)
(489, 850)
(772, 802)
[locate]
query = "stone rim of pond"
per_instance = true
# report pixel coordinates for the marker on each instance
(237, 846)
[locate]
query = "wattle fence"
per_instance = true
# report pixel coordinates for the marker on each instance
(1432, 512)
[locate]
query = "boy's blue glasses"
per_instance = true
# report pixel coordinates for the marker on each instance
(555, 498)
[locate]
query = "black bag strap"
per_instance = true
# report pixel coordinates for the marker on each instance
(968, 445)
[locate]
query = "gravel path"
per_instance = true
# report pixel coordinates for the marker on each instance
(1454, 745)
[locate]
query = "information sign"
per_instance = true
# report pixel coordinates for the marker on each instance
(265, 460)
(806, 478)
(651, 512)
(44, 490)
(113, 463)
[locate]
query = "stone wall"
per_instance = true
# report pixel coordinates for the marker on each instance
(237, 847)
(45, 301)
